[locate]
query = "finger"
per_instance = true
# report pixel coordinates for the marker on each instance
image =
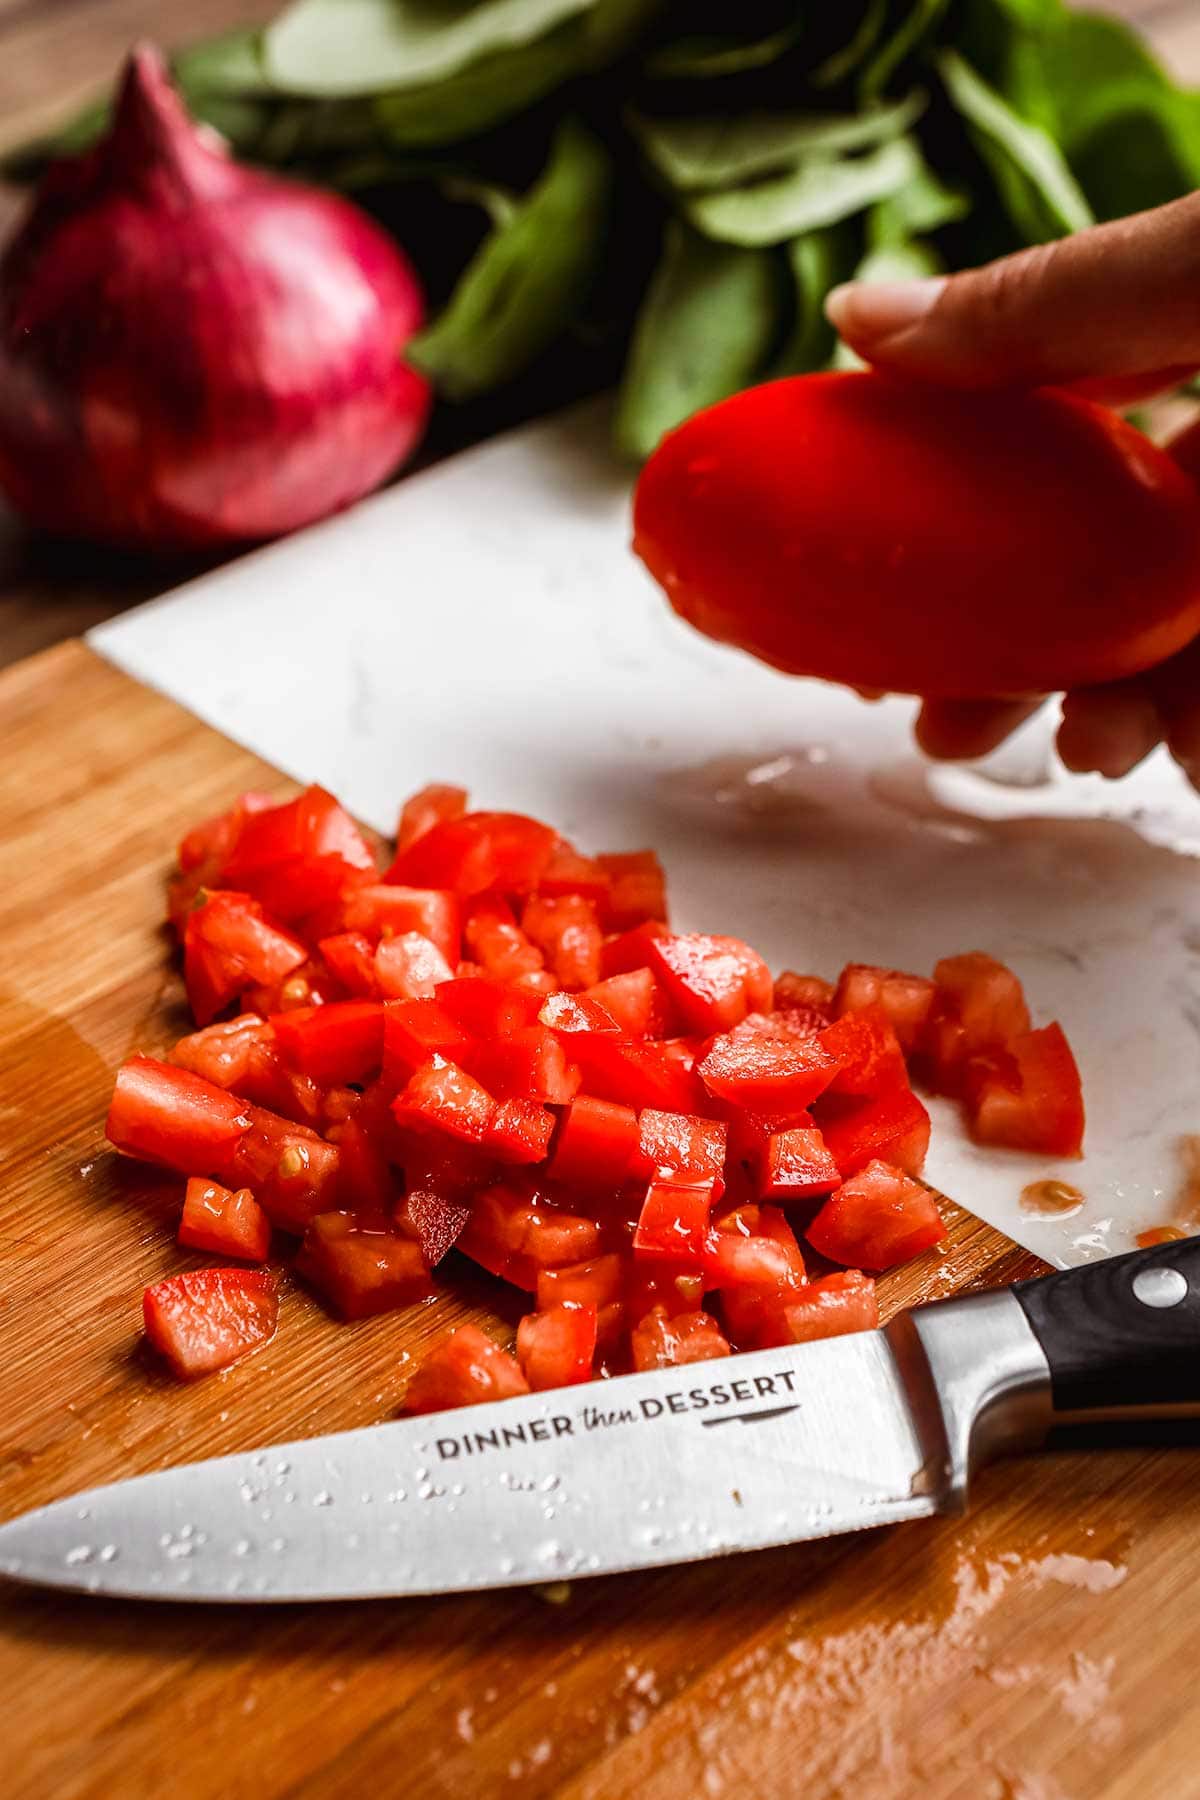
(1131, 390)
(957, 730)
(1108, 730)
(1118, 300)
(1175, 687)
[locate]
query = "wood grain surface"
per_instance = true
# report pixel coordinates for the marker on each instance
(1042, 1649)
(55, 54)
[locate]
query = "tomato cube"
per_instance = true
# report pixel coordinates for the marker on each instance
(503, 851)
(575, 1012)
(211, 1318)
(803, 993)
(796, 1165)
(442, 1097)
(906, 999)
(350, 959)
(673, 1223)
(662, 1343)
(892, 1127)
(486, 1008)
(428, 807)
(767, 1073)
(631, 949)
(168, 1115)
(204, 851)
(531, 1064)
(224, 1223)
(567, 933)
(410, 967)
(832, 1307)
(867, 1051)
(568, 872)
(379, 909)
(519, 1131)
(680, 1144)
(596, 1282)
(366, 1183)
(333, 1044)
(464, 1369)
(228, 946)
(556, 1348)
(768, 1261)
(713, 982)
(1039, 1107)
(636, 1073)
(415, 1030)
(634, 1000)
(361, 1272)
(879, 1218)
(296, 857)
(637, 889)
(515, 1234)
(596, 1143)
(496, 941)
(292, 1172)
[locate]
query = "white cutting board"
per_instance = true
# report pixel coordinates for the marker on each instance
(486, 623)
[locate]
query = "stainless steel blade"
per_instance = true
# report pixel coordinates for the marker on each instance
(666, 1467)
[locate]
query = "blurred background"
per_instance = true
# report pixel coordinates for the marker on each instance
(552, 170)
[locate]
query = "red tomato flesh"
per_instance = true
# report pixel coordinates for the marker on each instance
(209, 1319)
(224, 1223)
(713, 982)
(1039, 1107)
(879, 1218)
(555, 1348)
(464, 1369)
(361, 1272)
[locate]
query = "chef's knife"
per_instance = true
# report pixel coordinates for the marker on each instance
(666, 1467)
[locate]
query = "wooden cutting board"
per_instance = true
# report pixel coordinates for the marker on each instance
(1042, 1649)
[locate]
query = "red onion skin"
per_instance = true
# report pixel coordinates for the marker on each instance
(196, 354)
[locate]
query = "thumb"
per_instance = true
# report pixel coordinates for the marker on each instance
(1119, 300)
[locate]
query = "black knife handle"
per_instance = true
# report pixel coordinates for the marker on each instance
(1122, 1336)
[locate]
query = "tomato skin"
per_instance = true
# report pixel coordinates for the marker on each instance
(879, 1218)
(464, 1369)
(489, 1009)
(555, 1348)
(673, 1223)
(831, 1307)
(867, 1051)
(228, 946)
(436, 1207)
(766, 1073)
(636, 1073)
(469, 855)
(531, 1064)
(361, 1272)
(634, 1000)
(333, 1044)
(662, 1343)
(837, 525)
(636, 890)
(796, 1164)
(414, 1030)
(442, 1097)
(224, 1223)
(168, 1115)
(631, 949)
(891, 1127)
(298, 856)
(209, 1319)
(427, 808)
(681, 1146)
(1040, 1107)
(596, 1143)
(712, 981)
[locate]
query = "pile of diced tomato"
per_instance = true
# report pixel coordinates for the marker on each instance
(496, 1045)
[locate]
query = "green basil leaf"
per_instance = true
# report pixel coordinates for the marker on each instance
(924, 204)
(475, 98)
(842, 64)
(821, 191)
(818, 262)
(904, 42)
(704, 331)
(1034, 183)
(229, 64)
(724, 152)
(529, 279)
(323, 47)
(706, 58)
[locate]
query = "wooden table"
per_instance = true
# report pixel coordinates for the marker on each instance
(53, 55)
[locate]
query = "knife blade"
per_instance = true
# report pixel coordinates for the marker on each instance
(678, 1464)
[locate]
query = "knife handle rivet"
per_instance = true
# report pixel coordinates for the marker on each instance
(1160, 1287)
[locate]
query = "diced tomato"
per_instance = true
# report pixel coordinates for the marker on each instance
(415, 1030)
(227, 946)
(241, 1054)
(309, 985)
(567, 933)
(712, 981)
(410, 967)
(659, 1286)
(333, 1044)
(530, 1064)
(366, 1183)
(879, 1218)
(496, 941)
(986, 996)
(519, 1131)
(596, 1143)
(556, 1348)
(483, 850)
(637, 889)
(569, 873)
(442, 1097)
(906, 999)
(224, 1223)
(1040, 1106)
(767, 1074)
(515, 1234)
(487, 1008)
(893, 1128)
(462, 1370)
(769, 1259)
(867, 1051)
(294, 858)
(673, 1222)
(361, 1272)
(662, 1343)
(204, 851)
(350, 959)
(575, 1012)
(636, 1073)
(802, 993)
(680, 1144)
(796, 1165)
(292, 1172)
(596, 1282)
(379, 910)
(429, 807)
(211, 1318)
(168, 1115)
(832, 1307)
(631, 949)
(634, 1000)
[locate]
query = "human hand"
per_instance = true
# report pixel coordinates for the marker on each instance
(1114, 313)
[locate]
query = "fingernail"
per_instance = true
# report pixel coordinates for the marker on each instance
(863, 310)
